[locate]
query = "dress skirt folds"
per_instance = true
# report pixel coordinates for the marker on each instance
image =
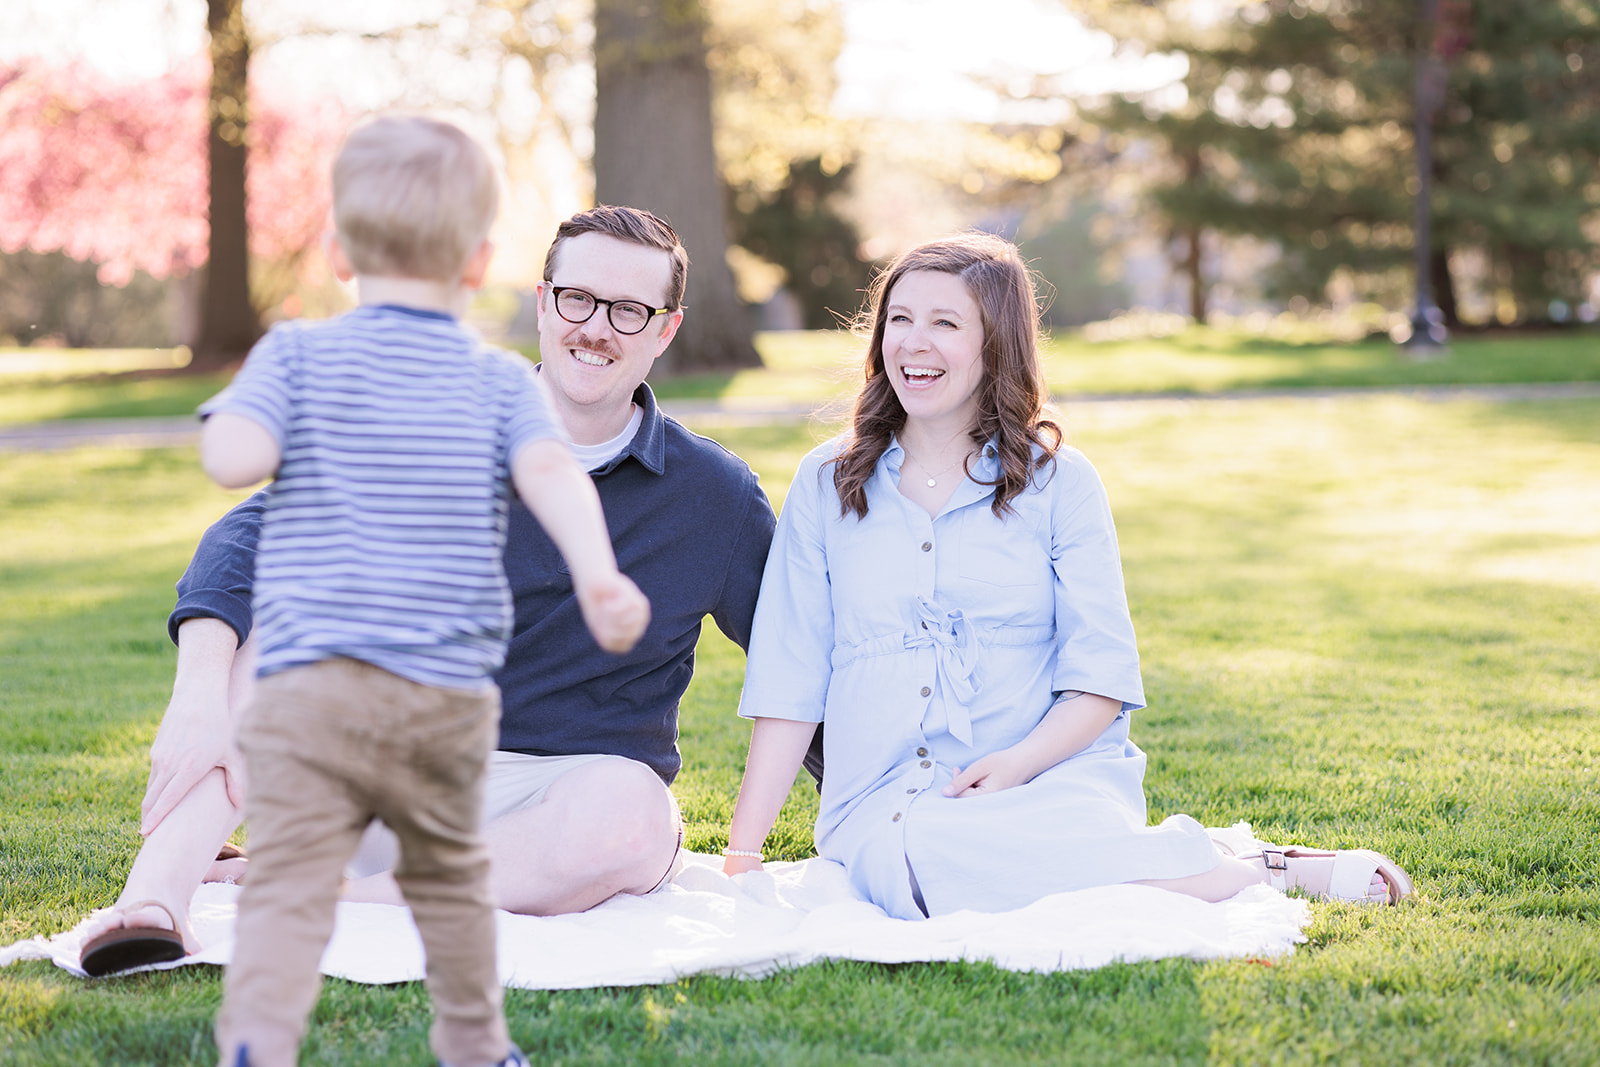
(926, 643)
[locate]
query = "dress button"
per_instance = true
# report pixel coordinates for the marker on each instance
(912, 790)
(922, 752)
(925, 763)
(926, 691)
(927, 546)
(896, 817)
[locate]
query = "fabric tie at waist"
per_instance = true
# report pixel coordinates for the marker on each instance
(951, 639)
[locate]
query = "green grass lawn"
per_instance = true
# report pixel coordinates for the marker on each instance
(1365, 621)
(819, 367)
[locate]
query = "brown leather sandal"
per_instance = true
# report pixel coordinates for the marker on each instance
(127, 947)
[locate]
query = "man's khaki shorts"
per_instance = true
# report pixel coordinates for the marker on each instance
(516, 781)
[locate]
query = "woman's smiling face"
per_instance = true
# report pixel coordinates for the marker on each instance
(933, 348)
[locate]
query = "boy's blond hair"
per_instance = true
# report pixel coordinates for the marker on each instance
(413, 197)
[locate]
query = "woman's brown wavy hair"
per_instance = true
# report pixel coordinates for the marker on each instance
(1011, 394)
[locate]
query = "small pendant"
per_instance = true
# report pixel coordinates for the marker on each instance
(930, 483)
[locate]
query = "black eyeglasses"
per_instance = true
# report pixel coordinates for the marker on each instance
(625, 316)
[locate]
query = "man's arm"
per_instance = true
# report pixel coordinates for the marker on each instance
(198, 729)
(209, 624)
(735, 607)
(220, 578)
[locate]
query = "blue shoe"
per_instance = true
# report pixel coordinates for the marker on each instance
(515, 1059)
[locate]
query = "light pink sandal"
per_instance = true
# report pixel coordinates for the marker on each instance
(1350, 877)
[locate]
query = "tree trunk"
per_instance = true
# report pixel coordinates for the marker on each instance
(653, 150)
(1444, 289)
(229, 323)
(1197, 280)
(1193, 259)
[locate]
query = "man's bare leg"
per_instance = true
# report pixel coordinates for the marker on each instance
(603, 828)
(173, 861)
(178, 853)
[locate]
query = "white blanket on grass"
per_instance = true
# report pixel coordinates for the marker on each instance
(787, 915)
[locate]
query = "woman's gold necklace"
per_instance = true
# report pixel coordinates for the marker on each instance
(933, 479)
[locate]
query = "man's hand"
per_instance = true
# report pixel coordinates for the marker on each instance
(188, 746)
(615, 611)
(197, 733)
(994, 772)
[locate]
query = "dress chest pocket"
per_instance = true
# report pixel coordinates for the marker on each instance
(1002, 552)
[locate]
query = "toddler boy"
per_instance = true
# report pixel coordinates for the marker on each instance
(381, 602)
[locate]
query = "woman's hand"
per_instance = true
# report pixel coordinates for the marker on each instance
(732, 865)
(994, 772)
(777, 747)
(1069, 727)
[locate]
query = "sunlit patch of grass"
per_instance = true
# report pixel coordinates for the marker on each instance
(60, 364)
(822, 369)
(110, 398)
(1202, 360)
(1359, 627)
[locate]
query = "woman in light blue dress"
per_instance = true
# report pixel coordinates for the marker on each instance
(945, 592)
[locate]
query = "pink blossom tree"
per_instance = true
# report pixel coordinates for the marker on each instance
(116, 173)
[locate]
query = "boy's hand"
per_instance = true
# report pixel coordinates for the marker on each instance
(615, 611)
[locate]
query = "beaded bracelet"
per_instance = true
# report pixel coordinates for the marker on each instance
(745, 853)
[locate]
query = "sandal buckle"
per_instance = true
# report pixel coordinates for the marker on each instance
(1274, 859)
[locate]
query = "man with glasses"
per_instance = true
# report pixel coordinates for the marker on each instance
(578, 805)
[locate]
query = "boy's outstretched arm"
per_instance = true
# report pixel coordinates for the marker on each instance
(236, 450)
(562, 497)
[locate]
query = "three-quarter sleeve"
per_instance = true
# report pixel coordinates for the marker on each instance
(791, 644)
(1095, 646)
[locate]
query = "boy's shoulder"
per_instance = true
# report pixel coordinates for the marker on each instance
(386, 328)
(385, 319)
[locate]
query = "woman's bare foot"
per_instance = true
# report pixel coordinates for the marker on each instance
(229, 867)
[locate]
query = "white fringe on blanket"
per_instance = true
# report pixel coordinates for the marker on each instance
(788, 915)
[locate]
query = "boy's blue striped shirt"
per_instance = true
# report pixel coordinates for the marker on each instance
(383, 537)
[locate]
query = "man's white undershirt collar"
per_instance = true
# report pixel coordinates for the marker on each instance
(593, 457)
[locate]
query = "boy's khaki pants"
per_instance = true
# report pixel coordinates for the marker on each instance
(328, 748)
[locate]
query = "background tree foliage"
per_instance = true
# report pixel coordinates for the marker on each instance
(653, 148)
(113, 176)
(800, 229)
(1295, 127)
(786, 159)
(694, 100)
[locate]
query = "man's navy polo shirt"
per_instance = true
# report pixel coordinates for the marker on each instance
(690, 525)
